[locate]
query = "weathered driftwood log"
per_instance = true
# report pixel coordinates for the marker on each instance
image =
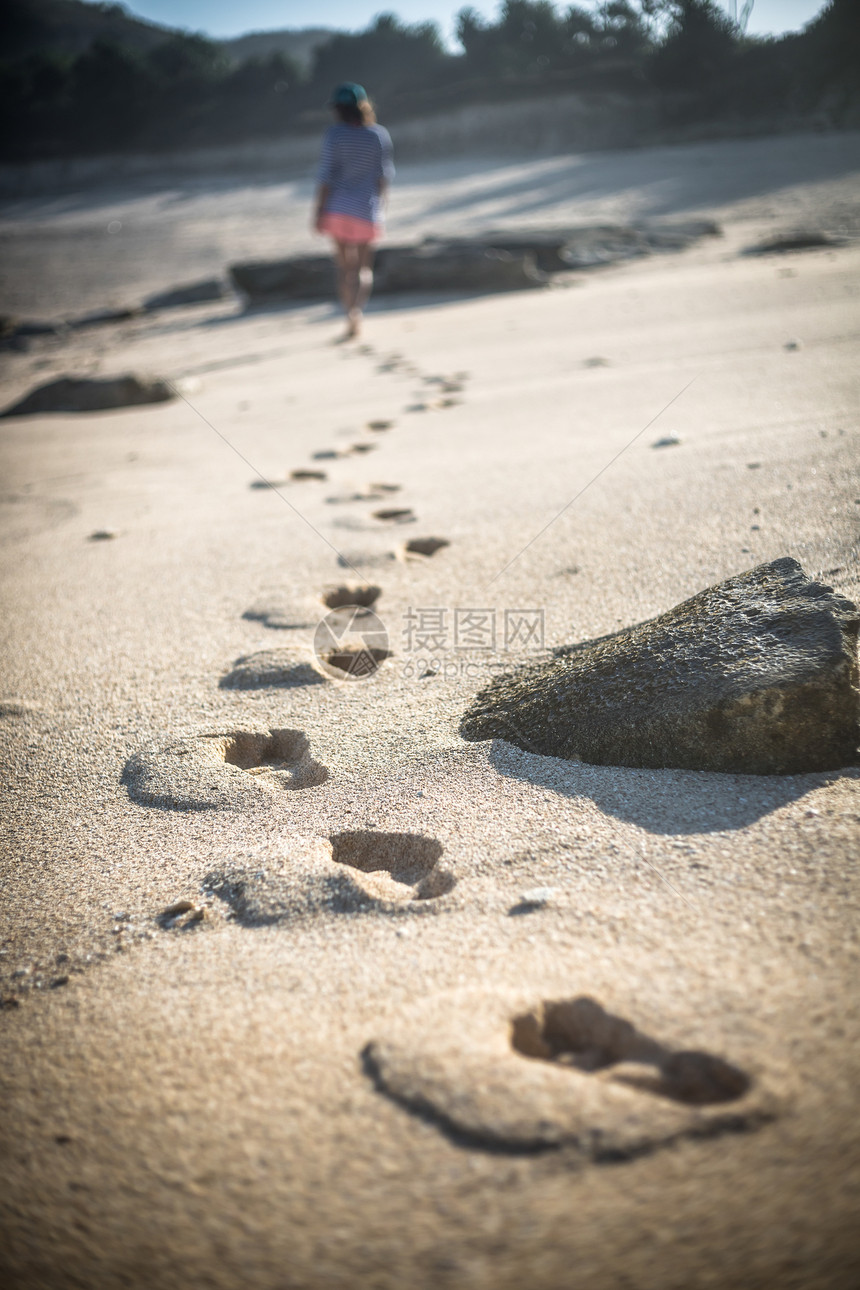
(757, 675)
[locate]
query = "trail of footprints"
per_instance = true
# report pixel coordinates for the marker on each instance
(445, 389)
(287, 667)
(398, 872)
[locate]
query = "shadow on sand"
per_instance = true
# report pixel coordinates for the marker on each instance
(664, 801)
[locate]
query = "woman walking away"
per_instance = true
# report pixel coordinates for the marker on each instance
(354, 172)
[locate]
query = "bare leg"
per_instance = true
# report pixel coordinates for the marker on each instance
(354, 281)
(365, 275)
(347, 274)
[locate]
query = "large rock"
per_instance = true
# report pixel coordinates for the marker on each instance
(800, 240)
(102, 318)
(757, 675)
(589, 246)
(189, 293)
(555, 250)
(78, 394)
(303, 277)
(495, 260)
(466, 266)
(455, 266)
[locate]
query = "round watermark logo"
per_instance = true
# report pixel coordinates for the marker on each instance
(350, 643)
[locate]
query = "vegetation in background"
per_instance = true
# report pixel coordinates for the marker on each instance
(83, 79)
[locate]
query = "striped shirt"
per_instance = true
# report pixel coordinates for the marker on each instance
(354, 159)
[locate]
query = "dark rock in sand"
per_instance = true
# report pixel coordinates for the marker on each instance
(36, 328)
(76, 394)
(103, 318)
(757, 675)
(557, 249)
(431, 267)
(455, 266)
(803, 240)
(303, 277)
(496, 260)
(189, 293)
(17, 336)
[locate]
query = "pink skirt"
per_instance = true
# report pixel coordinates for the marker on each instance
(349, 228)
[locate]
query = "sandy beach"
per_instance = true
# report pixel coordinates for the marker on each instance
(245, 1094)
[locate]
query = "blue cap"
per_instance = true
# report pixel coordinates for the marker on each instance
(348, 95)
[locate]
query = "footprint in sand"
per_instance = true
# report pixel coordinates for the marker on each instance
(395, 515)
(14, 708)
(580, 1035)
(563, 1073)
(380, 425)
(277, 613)
(422, 548)
(355, 559)
(351, 596)
(308, 474)
(375, 493)
(445, 384)
(362, 871)
(392, 868)
(272, 669)
(352, 662)
(350, 643)
(226, 770)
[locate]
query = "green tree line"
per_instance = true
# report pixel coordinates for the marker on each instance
(185, 92)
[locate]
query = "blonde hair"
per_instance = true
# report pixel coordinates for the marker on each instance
(360, 113)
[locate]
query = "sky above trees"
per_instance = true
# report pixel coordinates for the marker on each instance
(226, 18)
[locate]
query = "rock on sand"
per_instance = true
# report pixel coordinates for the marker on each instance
(757, 675)
(84, 394)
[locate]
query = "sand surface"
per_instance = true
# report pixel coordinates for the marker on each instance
(189, 1106)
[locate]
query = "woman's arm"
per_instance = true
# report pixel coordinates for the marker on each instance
(319, 206)
(325, 175)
